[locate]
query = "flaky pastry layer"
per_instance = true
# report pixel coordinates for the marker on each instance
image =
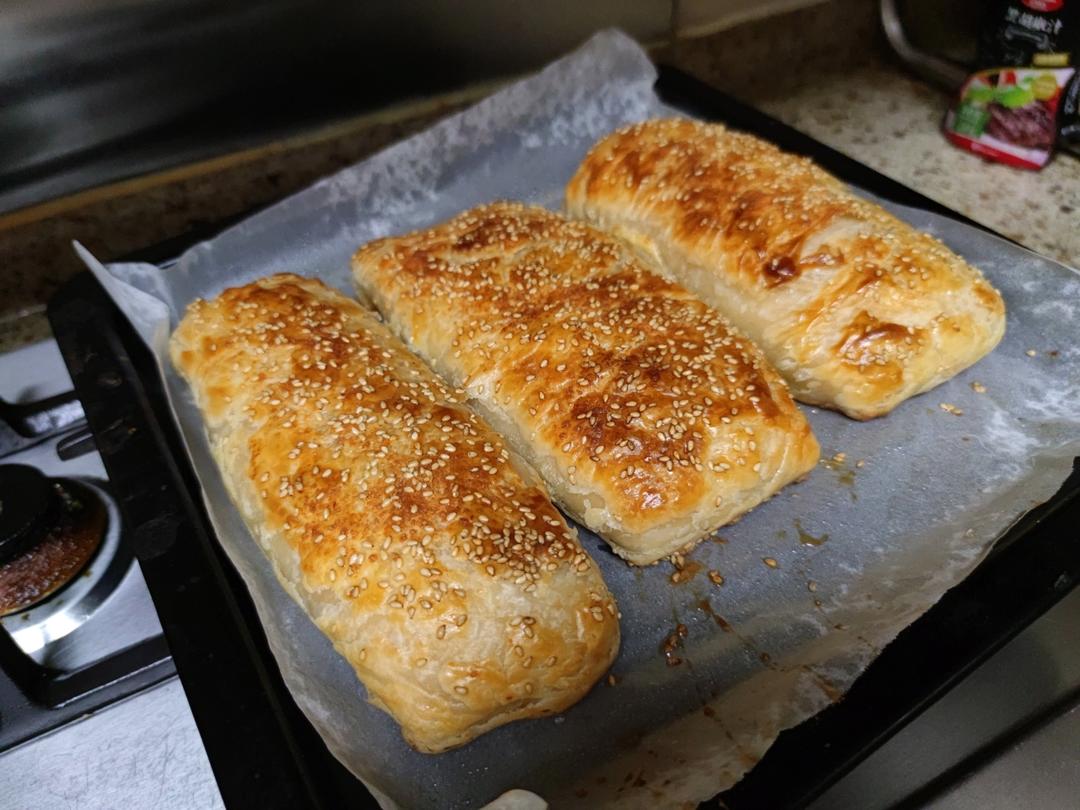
(651, 420)
(413, 537)
(857, 310)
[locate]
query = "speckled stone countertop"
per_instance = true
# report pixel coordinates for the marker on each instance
(890, 122)
(824, 70)
(851, 94)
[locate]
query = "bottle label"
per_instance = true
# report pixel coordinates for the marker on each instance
(1009, 114)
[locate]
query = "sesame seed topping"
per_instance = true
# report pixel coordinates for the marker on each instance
(632, 378)
(722, 193)
(372, 469)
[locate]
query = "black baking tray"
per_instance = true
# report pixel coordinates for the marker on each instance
(263, 751)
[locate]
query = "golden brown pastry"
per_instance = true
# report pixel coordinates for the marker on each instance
(393, 514)
(857, 310)
(652, 422)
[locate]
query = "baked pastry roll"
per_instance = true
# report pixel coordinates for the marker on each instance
(857, 310)
(400, 521)
(651, 420)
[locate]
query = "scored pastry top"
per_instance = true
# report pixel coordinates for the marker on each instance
(430, 555)
(643, 400)
(856, 308)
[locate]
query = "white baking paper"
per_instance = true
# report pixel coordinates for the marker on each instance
(917, 501)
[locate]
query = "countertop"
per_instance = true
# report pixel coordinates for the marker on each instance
(889, 121)
(834, 79)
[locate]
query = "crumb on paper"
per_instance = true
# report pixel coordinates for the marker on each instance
(715, 577)
(835, 461)
(811, 586)
(948, 407)
(978, 387)
(682, 572)
(771, 562)
(860, 463)
(612, 679)
(1031, 352)
(672, 643)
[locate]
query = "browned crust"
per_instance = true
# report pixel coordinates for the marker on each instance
(393, 513)
(793, 258)
(630, 395)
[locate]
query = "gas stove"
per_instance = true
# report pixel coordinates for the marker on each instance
(91, 714)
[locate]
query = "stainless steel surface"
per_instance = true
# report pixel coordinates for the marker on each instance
(125, 618)
(142, 753)
(33, 372)
(1032, 674)
(1042, 770)
(93, 92)
(942, 72)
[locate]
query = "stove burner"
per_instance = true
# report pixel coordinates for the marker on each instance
(28, 509)
(50, 531)
(35, 629)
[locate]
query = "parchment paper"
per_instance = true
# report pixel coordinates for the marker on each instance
(776, 642)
